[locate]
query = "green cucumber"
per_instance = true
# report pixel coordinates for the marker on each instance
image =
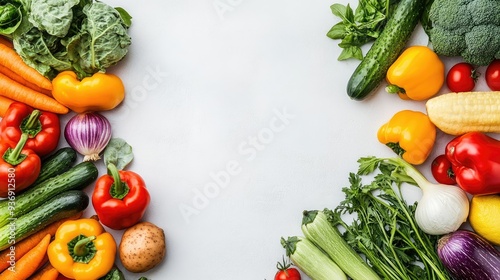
(76, 178)
(60, 161)
(385, 50)
(61, 206)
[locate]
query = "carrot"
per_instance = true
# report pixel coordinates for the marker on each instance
(51, 274)
(29, 263)
(4, 105)
(18, 92)
(48, 272)
(22, 247)
(14, 76)
(12, 60)
(6, 42)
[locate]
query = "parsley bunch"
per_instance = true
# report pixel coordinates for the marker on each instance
(384, 227)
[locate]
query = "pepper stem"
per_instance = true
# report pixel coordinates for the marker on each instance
(14, 156)
(394, 89)
(31, 125)
(119, 189)
(80, 248)
(396, 148)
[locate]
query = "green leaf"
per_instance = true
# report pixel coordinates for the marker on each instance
(339, 10)
(11, 16)
(351, 52)
(126, 17)
(53, 17)
(338, 31)
(349, 14)
(104, 41)
(118, 152)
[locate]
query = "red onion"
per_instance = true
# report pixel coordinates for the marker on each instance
(88, 133)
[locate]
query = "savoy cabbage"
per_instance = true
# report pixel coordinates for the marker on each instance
(79, 35)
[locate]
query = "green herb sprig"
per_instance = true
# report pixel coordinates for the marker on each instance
(360, 26)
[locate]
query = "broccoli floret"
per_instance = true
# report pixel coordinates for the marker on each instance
(466, 28)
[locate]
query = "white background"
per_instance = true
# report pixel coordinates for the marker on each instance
(208, 83)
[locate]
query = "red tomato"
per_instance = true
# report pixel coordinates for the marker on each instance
(288, 274)
(461, 77)
(493, 75)
(285, 272)
(442, 171)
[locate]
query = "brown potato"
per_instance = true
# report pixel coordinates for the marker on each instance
(142, 247)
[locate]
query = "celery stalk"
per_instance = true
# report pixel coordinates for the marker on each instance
(324, 235)
(311, 260)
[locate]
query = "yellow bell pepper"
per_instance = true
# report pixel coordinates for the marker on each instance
(82, 250)
(410, 134)
(417, 74)
(100, 92)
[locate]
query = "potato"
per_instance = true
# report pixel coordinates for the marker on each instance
(142, 247)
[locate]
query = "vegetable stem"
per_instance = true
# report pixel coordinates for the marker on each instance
(31, 125)
(119, 189)
(14, 156)
(80, 248)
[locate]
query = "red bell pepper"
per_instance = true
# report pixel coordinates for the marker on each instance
(476, 162)
(43, 128)
(19, 167)
(120, 198)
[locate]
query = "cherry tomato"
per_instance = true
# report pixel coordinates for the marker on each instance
(285, 272)
(442, 171)
(461, 77)
(493, 75)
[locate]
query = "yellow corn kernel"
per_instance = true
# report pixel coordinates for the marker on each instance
(458, 113)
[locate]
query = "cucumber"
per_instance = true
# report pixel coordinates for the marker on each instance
(61, 206)
(57, 163)
(77, 177)
(385, 50)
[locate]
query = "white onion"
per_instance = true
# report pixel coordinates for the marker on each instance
(442, 208)
(88, 133)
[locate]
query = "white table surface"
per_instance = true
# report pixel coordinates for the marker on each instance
(239, 120)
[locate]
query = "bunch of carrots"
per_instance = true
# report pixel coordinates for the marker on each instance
(22, 83)
(30, 256)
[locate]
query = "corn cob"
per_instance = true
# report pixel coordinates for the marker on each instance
(458, 113)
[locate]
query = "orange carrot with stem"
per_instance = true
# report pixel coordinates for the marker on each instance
(29, 263)
(22, 247)
(35, 99)
(12, 60)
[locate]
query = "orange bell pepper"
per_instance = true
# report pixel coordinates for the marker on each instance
(82, 249)
(410, 134)
(417, 74)
(100, 92)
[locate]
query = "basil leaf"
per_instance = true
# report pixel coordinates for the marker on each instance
(337, 31)
(360, 26)
(118, 152)
(339, 10)
(351, 52)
